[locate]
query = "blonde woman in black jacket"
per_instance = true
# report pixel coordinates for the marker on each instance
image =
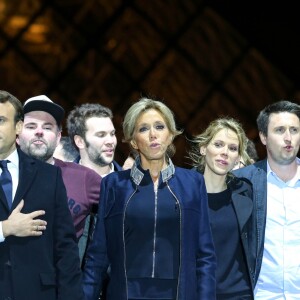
(214, 153)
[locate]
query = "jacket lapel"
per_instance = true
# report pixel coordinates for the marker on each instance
(260, 201)
(27, 173)
(242, 205)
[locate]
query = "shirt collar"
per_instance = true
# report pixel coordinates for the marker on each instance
(296, 177)
(269, 170)
(111, 170)
(14, 158)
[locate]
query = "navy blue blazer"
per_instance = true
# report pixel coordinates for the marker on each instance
(257, 175)
(44, 267)
(197, 256)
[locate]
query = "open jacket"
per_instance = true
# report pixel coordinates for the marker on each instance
(243, 206)
(242, 201)
(197, 258)
(257, 175)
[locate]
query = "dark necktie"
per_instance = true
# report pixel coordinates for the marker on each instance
(6, 181)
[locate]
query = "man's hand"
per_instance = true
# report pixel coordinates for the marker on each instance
(21, 225)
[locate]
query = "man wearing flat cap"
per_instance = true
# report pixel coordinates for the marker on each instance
(39, 137)
(38, 251)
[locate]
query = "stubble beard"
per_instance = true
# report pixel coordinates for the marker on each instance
(99, 159)
(43, 154)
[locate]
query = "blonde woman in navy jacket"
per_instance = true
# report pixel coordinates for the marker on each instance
(153, 228)
(215, 152)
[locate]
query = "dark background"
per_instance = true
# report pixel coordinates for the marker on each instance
(205, 59)
(272, 27)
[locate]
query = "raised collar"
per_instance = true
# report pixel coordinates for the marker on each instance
(137, 175)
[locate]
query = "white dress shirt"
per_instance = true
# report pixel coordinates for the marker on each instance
(279, 277)
(13, 168)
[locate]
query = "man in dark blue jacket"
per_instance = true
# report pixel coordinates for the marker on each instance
(276, 190)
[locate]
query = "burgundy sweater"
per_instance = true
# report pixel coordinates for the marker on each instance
(83, 191)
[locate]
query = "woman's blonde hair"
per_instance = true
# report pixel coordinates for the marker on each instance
(204, 138)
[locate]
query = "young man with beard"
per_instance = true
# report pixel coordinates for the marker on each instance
(39, 137)
(91, 129)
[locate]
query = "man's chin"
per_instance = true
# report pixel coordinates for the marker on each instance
(39, 156)
(103, 162)
(108, 162)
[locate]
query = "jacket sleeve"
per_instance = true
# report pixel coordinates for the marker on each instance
(69, 281)
(206, 259)
(95, 269)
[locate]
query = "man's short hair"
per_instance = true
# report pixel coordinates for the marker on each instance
(76, 121)
(275, 108)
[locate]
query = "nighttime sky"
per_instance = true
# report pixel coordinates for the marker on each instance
(273, 28)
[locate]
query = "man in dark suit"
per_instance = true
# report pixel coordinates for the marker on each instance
(38, 252)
